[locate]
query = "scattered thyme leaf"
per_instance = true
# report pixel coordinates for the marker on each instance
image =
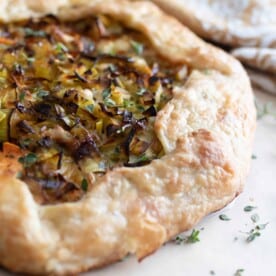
(249, 208)
(261, 226)
(22, 96)
(109, 102)
(253, 235)
(239, 272)
(33, 33)
(128, 103)
(28, 160)
(255, 232)
(61, 48)
(180, 240)
(42, 93)
(137, 47)
(224, 217)
(90, 108)
(193, 238)
(254, 156)
(105, 93)
(255, 218)
(141, 91)
(212, 272)
(84, 185)
(143, 158)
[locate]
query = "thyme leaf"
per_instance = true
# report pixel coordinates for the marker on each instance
(61, 48)
(249, 208)
(137, 47)
(28, 160)
(253, 235)
(34, 33)
(84, 185)
(239, 272)
(22, 96)
(255, 218)
(255, 232)
(90, 108)
(253, 156)
(192, 238)
(42, 93)
(224, 217)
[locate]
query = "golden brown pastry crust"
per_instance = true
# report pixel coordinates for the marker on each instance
(206, 130)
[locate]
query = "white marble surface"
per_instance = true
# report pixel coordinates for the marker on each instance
(218, 250)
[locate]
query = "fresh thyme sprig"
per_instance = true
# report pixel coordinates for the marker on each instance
(192, 238)
(255, 232)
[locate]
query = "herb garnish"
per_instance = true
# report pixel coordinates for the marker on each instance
(128, 103)
(253, 156)
(255, 218)
(28, 160)
(84, 185)
(60, 47)
(252, 235)
(141, 91)
(239, 272)
(22, 96)
(106, 93)
(109, 102)
(33, 33)
(42, 93)
(137, 47)
(192, 238)
(249, 208)
(224, 217)
(90, 108)
(255, 232)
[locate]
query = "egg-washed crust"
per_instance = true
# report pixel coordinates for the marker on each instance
(206, 130)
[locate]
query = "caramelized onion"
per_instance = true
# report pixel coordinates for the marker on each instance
(83, 98)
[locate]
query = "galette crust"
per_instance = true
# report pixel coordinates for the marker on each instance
(206, 130)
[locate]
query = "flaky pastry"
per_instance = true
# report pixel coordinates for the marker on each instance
(205, 129)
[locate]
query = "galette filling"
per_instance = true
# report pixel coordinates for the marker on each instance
(80, 98)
